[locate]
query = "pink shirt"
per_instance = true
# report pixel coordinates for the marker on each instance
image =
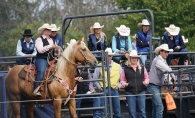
(123, 78)
(39, 44)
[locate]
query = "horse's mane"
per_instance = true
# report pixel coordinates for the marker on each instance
(66, 53)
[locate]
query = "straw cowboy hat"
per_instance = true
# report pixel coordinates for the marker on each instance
(144, 22)
(109, 50)
(54, 28)
(27, 32)
(43, 27)
(123, 30)
(95, 25)
(172, 29)
(163, 47)
(133, 53)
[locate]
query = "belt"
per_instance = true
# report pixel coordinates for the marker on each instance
(154, 84)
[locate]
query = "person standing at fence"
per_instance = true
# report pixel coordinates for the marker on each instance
(142, 39)
(121, 43)
(86, 88)
(54, 35)
(115, 70)
(175, 42)
(44, 45)
(135, 78)
(26, 47)
(97, 39)
(157, 77)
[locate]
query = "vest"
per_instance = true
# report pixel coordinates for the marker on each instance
(135, 79)
(144, 39)
(118, 44)
(175, 39)
(45, 54)
(94, 43)
(26, 50)
(82, 87)
(114, 76)
(156, 76)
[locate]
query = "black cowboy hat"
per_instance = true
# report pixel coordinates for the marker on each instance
(27, 32)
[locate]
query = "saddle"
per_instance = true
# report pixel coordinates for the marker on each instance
(29, 71)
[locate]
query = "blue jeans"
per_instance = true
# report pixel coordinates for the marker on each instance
(181, 59)
(136, 102)
(117, 59)
(115, 103)
(41, 65)
(143, 59)
(157, 110)
(21, 61)
(96, 103)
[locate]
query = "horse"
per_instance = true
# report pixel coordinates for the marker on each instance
(66, 66)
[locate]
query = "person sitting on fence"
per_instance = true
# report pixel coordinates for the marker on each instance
(26, 47)
(142, 39)
(134, 78)
(54, 35)
(115, 71)
(175, 42)
(121, 43)
(86, 88)
(97, 39)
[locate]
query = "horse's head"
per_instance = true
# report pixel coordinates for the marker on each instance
(77, 52)
(82, 54)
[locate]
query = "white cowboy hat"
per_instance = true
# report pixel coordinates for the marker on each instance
(123, 30)
(184, 39)
(163, 47)
(172, 29)
(43, 27)
(134, 37)
(144, 22)
(95, 25)
(133, 53)
(109, 50)
(54, 28)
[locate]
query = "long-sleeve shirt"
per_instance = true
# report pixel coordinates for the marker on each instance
(122, 44)
(39, 44)
(19, 48)
(96, 74)
(123, 79)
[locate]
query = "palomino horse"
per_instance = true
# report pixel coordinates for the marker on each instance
(62, 85)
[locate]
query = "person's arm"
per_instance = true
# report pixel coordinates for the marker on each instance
(90, 83)
(89, 41)
(39, 45)
(19, 49)
(140, 43)
(146, 77)
(162, 66)
(114, 44)
(105, 42)
(123, 78)
(96, 76)
(129, 44)
(34, 52)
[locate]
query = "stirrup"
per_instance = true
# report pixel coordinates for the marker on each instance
(36, 92)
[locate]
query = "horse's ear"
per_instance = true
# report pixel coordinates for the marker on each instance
(81, 40)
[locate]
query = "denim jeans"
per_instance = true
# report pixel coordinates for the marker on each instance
(157, 110)
(96, 103)
(181, 59)
(117, 59)
(21, 61)
(138, 102)
(143, 59)
(41, 65)
(115, 103)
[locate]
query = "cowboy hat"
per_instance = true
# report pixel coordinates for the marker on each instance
(27, 32)
(134, 37)
(144, 22)
(123, 30)
(43, 27)
(172, 29)
(133, 53)
(162, 47)
(109, 50)
(54, 28)
(95, 25)
(184, 39)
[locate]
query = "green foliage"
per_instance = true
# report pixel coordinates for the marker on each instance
(166, 12)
